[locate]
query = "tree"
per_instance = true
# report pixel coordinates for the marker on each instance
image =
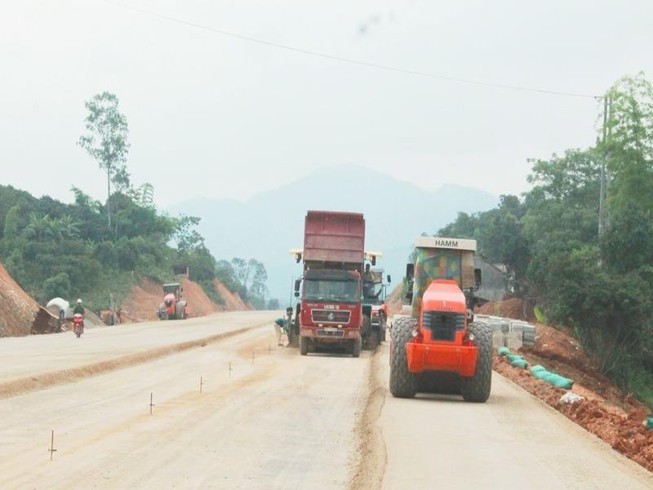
(465, 226)
(251, 277)
(628, 144)
(57, 286)
(106, 141)
(143, 196)
(185, 236)
(627, 244)
(11, 229)
(257, 289)
(39, 227)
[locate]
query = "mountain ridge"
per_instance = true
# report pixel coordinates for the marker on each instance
(396, 212)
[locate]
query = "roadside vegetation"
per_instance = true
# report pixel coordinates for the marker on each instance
(96, 250)
(579, 245)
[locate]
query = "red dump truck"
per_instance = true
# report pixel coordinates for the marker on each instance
(329, 314)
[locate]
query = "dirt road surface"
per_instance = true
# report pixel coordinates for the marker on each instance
(512, 441)
(191, 405)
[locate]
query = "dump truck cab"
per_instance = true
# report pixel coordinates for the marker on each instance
(438, 348)
(330, 313)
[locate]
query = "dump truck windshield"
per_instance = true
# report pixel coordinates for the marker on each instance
(345, 291)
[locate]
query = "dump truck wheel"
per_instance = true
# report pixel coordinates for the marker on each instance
(356, 347)
(366, 331)
(403, 383)
(291, 337)
(477, 388)
(303, 345)
(373, 341)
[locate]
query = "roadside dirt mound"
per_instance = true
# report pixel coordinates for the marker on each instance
(510, 308)
(605, 411)
(20, 315)
(394, 301)
(144, 300)
(232, 301)
(199, 303)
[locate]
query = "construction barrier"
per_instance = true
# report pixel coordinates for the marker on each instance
(508, 333)
(514, 360)
(554, 379)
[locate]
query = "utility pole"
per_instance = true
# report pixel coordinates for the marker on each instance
(603, 186)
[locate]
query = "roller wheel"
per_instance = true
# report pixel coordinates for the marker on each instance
(403, 383)
(477, 388)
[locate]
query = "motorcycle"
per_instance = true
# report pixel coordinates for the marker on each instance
(78, 324)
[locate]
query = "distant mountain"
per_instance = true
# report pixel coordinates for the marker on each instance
(267, 226)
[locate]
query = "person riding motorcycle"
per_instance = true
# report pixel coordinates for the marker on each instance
(78, 318)
(79, 307)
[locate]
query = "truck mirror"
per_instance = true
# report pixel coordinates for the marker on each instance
(297, 282)
(296, 294)
(477, 278)
(410, 272)
(389, 279)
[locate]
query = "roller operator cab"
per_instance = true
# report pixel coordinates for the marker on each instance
(438, 348)
(174, 307)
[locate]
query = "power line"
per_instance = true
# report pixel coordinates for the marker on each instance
(349, 60)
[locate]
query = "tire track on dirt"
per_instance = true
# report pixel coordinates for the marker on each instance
(371, 450)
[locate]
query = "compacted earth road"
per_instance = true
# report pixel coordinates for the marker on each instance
(213, 402)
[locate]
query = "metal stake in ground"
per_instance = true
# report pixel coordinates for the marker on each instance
(201, 383)
(151, 402)
(52, 449)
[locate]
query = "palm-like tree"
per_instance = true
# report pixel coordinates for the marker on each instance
(39, 227)
(42, 228)
(70, 227)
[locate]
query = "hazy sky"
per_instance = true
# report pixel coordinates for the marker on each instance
(214, 114)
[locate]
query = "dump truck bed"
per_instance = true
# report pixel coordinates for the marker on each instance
(334, 238)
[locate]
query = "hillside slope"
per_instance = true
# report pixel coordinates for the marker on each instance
(19, 314)
(143, 301)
